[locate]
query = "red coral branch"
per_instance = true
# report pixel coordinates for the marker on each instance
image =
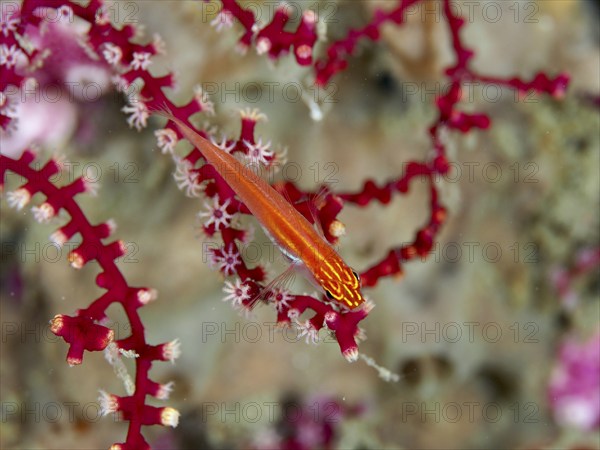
(449, 118)
(84, 330)
(339, 51)
(272, 38)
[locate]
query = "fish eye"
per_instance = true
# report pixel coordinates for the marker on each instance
(329, 295)
(356, 275)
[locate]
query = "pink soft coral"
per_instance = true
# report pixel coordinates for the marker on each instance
(574, 388)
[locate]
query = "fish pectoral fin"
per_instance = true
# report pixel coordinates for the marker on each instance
(281, 282)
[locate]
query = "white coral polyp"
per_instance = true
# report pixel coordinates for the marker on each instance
(351, 354)
(43, 213)
(8, 25)
(186, 179)
(308, 331)
(304, 51)
(252, 114)
(9, 56)
(158, 44)
(166, 140)
(259, 153)
(216, 213)
(112, 54)
(108, 403)
(90, 186)
(164, 391)
(102, 17)
(368, 306)
(263, 45)
(293, 314)
(203, 101)
(223, 20)
(279, 159)
(309, 16)
(138, 114)
(169, 417)
(65, 15)
(58, 238)
(223, 145)
(228, 261)
(331, 317)
(281, 297)
(77, 261)
(141, 61)
(238, 292)
(146, 296)
(171, 350)
(18, 199)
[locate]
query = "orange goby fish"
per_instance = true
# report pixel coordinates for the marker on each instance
(296, 236)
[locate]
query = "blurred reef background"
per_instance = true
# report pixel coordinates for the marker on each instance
(483, 333)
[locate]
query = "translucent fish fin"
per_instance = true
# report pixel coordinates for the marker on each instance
(280, 282)
(315, 203)
(161, 110)
(280, 188)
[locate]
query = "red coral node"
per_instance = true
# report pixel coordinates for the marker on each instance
(82, 334)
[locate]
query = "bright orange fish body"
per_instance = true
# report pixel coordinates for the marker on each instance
(295, 235)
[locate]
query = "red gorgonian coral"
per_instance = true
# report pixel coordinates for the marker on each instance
(115, 51)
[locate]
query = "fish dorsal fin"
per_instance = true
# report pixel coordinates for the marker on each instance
(315, 203)
(311, 202)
